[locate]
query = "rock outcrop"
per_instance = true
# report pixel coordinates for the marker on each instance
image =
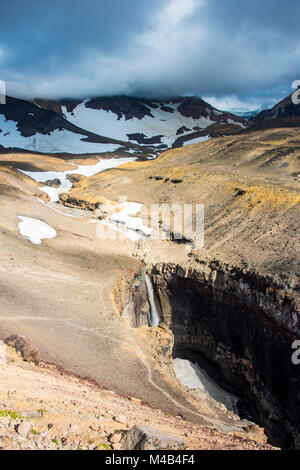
(148, 438)
(25, 347)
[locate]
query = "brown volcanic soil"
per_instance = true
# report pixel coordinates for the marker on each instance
(280, 122)
(65, 296)
(76, 414)
(215, 130)
(284, 114)
(63, 293)
(250, 187)
(56, 106)
(195, 107)
(29, 162)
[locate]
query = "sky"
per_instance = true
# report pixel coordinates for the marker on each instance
(233, 53)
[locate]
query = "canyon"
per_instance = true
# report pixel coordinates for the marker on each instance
(95, 306)
(149, 229)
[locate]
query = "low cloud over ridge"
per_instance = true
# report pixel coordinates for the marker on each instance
(164, 47)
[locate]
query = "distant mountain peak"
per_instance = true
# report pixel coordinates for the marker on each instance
(283, 109)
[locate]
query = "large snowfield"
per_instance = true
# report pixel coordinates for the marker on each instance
(167, 125)
(56, 142)
(107, 123)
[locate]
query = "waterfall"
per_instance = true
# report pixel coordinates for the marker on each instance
(153, 317)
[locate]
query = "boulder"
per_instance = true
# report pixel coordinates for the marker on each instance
(120, 419)
(55, 183)
(25, 347)
(74, 178)
(43, 196)
(148, 438)
(32, 414)
(115, 438)
(24, 428)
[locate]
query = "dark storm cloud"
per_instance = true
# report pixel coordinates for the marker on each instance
(40, 34)
(243, 50)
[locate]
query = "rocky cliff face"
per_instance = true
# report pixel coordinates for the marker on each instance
(286, 108)
(244, 324)
(133, 301)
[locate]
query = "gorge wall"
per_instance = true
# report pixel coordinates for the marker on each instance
(241, 322)
(246, 326)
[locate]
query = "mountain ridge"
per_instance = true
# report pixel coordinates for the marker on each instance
(140, 125)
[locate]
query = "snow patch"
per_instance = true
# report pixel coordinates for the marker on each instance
(128, 209)
(191, 376)
(197, 140)
(236, 123)
(55, 142)
(35, 230)
(101, 165)
(65, 184)
(123, 222)
(107, 123)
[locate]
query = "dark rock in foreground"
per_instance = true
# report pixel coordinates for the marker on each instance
(25, 347)
(148, 438)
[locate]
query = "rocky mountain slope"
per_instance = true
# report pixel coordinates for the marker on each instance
(249, 185)
(105, 124)
(283, 114)
(158, 123)
(144, 127)
(45, 407)
(25, 125)
(83, 298)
